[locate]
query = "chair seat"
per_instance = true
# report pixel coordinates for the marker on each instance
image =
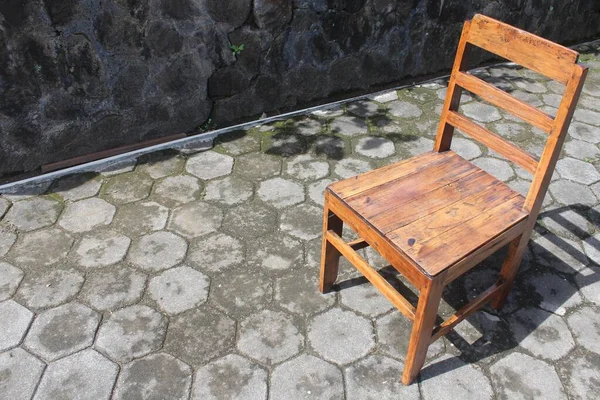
(436, 208)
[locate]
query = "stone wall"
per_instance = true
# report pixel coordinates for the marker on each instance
(80, 76)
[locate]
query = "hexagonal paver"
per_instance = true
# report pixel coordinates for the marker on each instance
(451, 378)
(393, 332)
(179, 289)
(176, 190)
(7, 239)
(417, 146)
(280, 193)
(230, 377)
(250, 220)
(196, 219)
(316, 190)
(306, 168)
(512, 131)
(257, 166)
(230, 190)
(567, 192)
(157, 376)
(35, 213)
(85, 215)
(307, 377)
(583, 375)
(298, 292)
(536, 379)
(587, 116)
(499, 168)
(44, 247)
(199, 335)
(543, 334)
(215, 253)
(85, 375)
(341, 336)
(209, 165)
(559, 254)
(465, 148)
(404, 109)
(581, 150)
(77, 187)
(302, 221)
(20, 373)
(331, 147)
(12, 333)
(238, 143)
(61, 331)
(363, 109)
(349, 126)
(365, 299)
(158, 165)
(10, 277)
(557, 293)
(308, 127)
(349, 167)
(242, 291)
(270, 337)
(584, 132)
(284, 143)
(481, 112)
(131, 332)
(112, 289)
(275, 252)
(577, 171)
(584, 325)
(386, 97)
(127, 188)
(374, 147)
(157, 251)
(377, 377)
(45, 288)
(137, 219)
(101, 249)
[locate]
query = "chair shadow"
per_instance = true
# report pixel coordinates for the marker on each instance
(490, 333)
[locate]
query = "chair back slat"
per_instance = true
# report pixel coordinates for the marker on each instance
(530, 51)
(493, 141)
(500, 98)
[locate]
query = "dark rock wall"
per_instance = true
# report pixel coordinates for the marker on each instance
(80, 76)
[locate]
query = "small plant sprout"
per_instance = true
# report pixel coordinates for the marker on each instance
(237, 49)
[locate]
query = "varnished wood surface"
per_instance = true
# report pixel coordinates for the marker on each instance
(432, 214)
(526, 49)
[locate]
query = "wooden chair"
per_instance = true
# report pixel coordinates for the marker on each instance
(435, 216)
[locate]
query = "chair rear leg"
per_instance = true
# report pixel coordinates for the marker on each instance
(330, 256)
(422, 330)
(509, 270)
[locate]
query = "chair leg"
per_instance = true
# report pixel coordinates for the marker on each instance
(509, 270)
(330, 256)
(422, 330)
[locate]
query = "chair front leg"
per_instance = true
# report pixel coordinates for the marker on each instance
(330, 256)
(422, 330)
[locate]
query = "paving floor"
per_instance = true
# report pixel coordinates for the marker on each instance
(193, 274)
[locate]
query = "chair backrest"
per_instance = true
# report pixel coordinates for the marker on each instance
(530, 51)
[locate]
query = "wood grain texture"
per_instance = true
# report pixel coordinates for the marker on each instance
(500, 98)
(526, 49)
(493, 141)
